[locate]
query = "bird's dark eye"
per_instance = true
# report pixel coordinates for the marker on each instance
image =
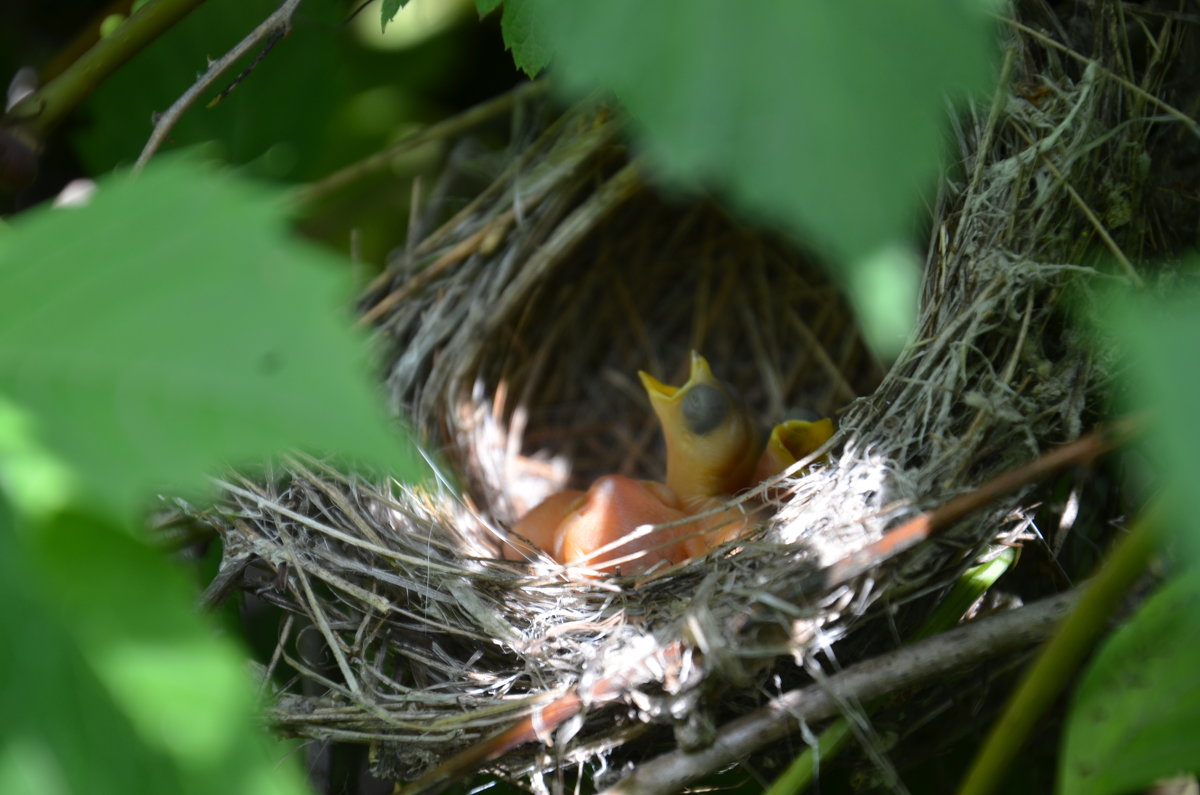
(704, 408)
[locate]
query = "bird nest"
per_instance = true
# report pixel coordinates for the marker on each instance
(512, 337)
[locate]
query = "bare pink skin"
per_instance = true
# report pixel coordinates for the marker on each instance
(572, 525)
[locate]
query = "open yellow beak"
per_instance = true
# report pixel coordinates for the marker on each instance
(712, 445)
(790, 442)
(700, 372)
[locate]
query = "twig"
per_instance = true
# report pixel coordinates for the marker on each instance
(274, 39)
(281, 18)
(1078, 201)
(40, 112)
(318, 616)
(1188, 121)
(1058, 661)
(1178, 16)
(449, 128)
(917, 529)
(457, 253)
(971, 587)
(913, 665)
(999, 100)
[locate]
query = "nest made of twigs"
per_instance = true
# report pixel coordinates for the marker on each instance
(513, 333)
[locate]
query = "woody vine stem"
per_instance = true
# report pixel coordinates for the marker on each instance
(38, 114)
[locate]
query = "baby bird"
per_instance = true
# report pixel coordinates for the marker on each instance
(789, 442)
(595, 528)
(712, 445)
(714, 450)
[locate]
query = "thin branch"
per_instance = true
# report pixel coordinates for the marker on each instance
(910, 533)
(1078, 201)
(40, 112)
(381, 161)
(274, 39)
(971, 586)
(281, 18)
(1170, 109)
(913, 665)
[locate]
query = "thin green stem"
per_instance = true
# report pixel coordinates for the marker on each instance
(39, 113)
(802, 772)
(1056, 664)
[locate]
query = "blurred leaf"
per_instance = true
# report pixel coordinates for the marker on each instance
(824, 118)
(111, 682)
(171, 328)
(388, 11)
(38, 482)
(486, 7)
(61, 733)
(1159, 337)
(819, 115)
(885, 288)
(275, 119)
(1134, 717)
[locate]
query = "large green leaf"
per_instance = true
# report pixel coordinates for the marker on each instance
(172, 327)
(1159, 339)
(110, 682)
(823, 117)
(1136, 713)
(1136, 716)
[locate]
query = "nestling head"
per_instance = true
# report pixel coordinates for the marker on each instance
(712, 445)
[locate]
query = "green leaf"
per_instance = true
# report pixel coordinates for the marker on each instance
(885, 287)
(36, 481)
(822, 117)
(1158, 335)
(171, 328)
(111, 682)
(968, 589)
(485, 7)
(388, 11)
(1134, 716)
(525, 35)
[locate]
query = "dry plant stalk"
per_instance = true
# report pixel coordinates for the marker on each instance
(513, 333)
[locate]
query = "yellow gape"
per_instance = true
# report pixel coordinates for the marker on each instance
(712, 445)
(789, 442)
